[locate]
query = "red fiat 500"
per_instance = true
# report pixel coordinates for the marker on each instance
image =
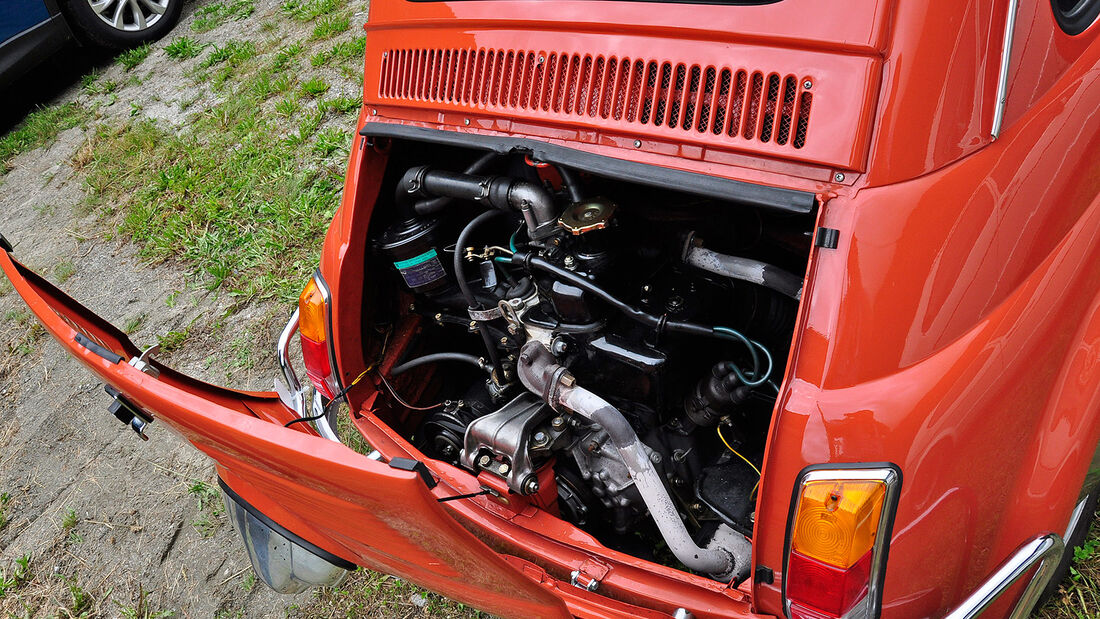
(716, 309)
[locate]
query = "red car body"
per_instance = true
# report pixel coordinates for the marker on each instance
(953, 330)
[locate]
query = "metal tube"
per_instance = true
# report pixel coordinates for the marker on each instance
(539, 372)
(745, 269)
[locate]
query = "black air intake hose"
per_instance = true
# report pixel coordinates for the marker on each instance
(419, 185)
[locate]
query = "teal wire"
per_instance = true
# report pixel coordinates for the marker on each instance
(512, 239)
(758, 378)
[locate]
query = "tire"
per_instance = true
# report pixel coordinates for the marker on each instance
(138, 21)
(1076, 538)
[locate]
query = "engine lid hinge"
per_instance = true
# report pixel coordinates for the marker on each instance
(589, 575)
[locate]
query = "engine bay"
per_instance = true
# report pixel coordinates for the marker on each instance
(608, 350)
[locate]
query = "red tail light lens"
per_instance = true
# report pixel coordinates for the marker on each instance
(819, 586)
(313, 311)
(318, 368)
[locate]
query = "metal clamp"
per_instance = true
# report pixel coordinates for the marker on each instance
(583, 581)
(142, 362)
(484, 315)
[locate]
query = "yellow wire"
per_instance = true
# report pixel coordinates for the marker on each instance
(747, 461)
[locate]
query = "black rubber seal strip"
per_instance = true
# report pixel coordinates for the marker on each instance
(749, 194)
(262, 517)
(5, 245)
(109, 355)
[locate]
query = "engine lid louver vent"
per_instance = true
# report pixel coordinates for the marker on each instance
(726, 102)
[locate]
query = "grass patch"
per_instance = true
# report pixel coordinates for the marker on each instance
(1078, 595)
(141, 609)
(215, 14)
(308, 10)
(341, 52)
(330, 26)
(230, 195)
(314, 87)
(63, 270)
(211, 508)
(339, 105)
(183, 48)
(131, 58)
(173, 340)
(330, 141)
(12, 580)
(5, 506)
(133, 324)
(233, 53)
(370, 594)
(38, 129)
(69, 520)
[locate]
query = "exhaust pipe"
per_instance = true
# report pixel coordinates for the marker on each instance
(726, 556)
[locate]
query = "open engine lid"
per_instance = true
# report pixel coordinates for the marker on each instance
(356, 508)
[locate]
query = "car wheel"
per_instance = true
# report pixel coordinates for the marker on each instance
(121, 24)
(1075, 538)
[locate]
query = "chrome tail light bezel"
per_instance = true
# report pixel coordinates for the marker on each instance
(890, 475)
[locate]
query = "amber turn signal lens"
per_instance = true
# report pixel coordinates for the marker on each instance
(311, 312)
(837, 520)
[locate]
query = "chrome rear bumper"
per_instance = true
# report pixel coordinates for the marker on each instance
(295, 397)
(1044, 551)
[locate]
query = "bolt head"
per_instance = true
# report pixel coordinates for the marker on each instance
(531, 486)
(503, 469)
(503, 341)
(466, 121)
(484, 461)
(513, 329)
(557, 423)
(637, 143)
(540, 437)
(570, 261)
(839, 177)
(807, 84)
(568, 380)
(655, 458)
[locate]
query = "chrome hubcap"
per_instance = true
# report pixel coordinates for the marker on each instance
(129, 15)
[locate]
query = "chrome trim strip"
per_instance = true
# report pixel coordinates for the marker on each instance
(1002, 77)
(892, 479)
(326, 425)
(326, 294)
(1046, 550)
(1075, 517)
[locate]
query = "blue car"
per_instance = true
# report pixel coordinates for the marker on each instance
(31, 30)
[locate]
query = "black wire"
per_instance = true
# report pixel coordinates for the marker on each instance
(464, 286)
(301, 419)
(661, 323)
(470, 496)
(397, 370)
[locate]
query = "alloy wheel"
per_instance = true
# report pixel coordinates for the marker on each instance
(129, 15)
